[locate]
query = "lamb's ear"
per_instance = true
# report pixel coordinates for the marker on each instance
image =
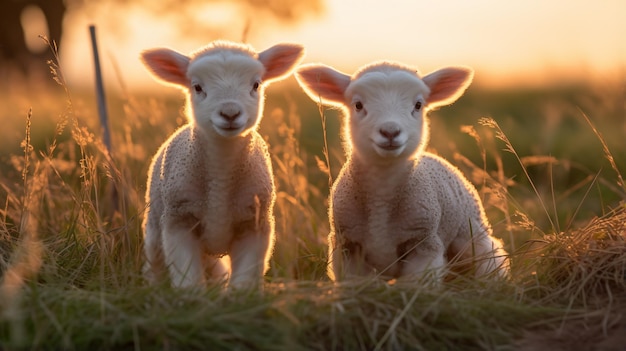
(280, 60)
(447, 85)
(323, 81)
(167, 65)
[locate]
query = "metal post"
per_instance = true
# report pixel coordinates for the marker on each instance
(102, 107)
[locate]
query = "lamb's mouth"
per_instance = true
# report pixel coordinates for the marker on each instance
(229, 129)
(389, 146)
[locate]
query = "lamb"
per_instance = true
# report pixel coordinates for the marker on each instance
(210, 185)
(397, 211)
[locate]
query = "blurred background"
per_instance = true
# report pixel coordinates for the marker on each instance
(508, 43)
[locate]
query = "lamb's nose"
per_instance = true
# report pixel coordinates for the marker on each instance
(230, 111)
(389, 131)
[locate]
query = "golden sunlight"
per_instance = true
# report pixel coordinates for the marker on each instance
(34, 24)
(530, 42)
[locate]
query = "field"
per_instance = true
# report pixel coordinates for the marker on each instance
(548, 163)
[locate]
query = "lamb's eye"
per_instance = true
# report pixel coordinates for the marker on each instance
(418, 106)
(197, 88)
(256, 85)
(358, 105)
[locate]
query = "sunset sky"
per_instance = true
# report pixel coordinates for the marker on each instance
(504, 41)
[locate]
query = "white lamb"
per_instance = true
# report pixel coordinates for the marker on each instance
(210, 186)
(396, 210)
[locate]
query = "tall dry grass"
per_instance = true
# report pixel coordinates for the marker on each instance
(70, 244)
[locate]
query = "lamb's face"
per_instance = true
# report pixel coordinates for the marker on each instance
(386, 114)
(384, 104)
(226, 92)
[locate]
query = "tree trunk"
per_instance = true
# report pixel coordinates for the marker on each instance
(14, 54)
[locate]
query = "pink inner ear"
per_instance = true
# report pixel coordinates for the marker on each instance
(447, 85)
(279, 60)
(171, 70)
(325, 82)
(167, 65)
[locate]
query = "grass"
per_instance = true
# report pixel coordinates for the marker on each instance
(547, 163)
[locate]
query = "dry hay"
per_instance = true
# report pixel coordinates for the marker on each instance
(585, 271)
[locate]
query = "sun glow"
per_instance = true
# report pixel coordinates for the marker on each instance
(506, 43)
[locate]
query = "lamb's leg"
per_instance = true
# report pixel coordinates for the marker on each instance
(481, 255)
(347, 260)
(248, 256)
(154, 268)
(426, 260)
(217, 268)
(489, 257)
(183, 255)
(335, 259)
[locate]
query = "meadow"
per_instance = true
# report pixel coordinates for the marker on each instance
(548, 163)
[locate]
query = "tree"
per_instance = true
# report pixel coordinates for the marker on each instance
(15, 55)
